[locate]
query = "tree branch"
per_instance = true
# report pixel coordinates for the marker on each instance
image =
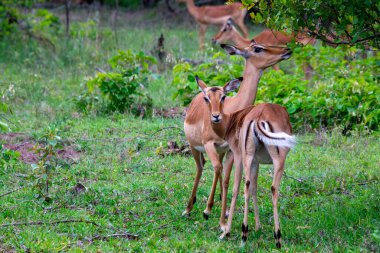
(14, 190)
(34, 223)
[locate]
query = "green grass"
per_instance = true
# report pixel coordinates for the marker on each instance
(131, 187)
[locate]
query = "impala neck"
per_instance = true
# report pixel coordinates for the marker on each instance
(239, 40)
(248, 89)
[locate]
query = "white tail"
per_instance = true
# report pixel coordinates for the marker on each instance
(265, 134)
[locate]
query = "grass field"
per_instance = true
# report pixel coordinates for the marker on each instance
(122, 192)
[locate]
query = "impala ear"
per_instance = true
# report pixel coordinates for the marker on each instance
(232, 50)
(232, 85)
(202, 85)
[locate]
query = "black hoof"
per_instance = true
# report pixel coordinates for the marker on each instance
(194, 200)
(278, 245)
(205, 215)
(228, 235)
(244, 238)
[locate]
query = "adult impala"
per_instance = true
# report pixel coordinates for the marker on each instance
(228, 32)
(256, 134)
(216, 15)
(198, 128)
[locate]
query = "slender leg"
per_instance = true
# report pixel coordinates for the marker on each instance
(240, 23)
(278, 172)
(227, 172)
(201, 35)
(221, 156)
(255, 173)
(199, 160)
(238, 174)
(214, 158)
(247, 162)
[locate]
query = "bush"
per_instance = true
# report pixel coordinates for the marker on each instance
(216, 72)
(123, 88)
(345, 93)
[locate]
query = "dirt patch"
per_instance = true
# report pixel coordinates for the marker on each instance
(25, 146)
(175, 112)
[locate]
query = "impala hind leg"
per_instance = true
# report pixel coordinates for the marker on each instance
(255, 175)
(227, 173)
(199, 160)
(215, 159)
(278, 172)
(247, 161)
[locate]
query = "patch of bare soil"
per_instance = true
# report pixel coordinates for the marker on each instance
(25, 146)
(175, 112)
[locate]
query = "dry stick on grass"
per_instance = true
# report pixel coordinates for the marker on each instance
(105, 237)
(12, 191)
(33, 223)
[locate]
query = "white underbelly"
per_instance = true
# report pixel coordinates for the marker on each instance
(217, 21)
(220, 148)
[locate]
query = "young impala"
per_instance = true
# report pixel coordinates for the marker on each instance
(198, 128)
(256, 134)
(228, 32)
(216, 15)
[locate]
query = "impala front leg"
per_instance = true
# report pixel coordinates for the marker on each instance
(216, 163)
(201, 35)
(235, 193)
(227, 172)
(199, 160)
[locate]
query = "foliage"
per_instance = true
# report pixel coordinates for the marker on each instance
(5, 95)
(8, 158)
(345, 93)
(41, 24)
(336, 22)
(124, 87)
(48, 164)
(214, 72)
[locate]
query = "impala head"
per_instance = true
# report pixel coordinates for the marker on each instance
(261, 56)
(215, 96)
(225, 33)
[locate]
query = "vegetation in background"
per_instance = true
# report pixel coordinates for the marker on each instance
(343, 93)
(337, 22)
(123, 87)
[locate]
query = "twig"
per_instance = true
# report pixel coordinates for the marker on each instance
(33, 223)
(123, 235)
(7, 193)
(297, 179)
(165, 128)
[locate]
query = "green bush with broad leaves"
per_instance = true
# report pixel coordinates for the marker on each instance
(344, 91)
(217, 71)
(122, 88)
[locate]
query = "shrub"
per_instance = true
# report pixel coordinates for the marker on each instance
(215, 72)
(123, 88)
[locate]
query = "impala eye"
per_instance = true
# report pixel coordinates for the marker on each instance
(225, 30)
(223, 98)
(206, 99)
(258, 49)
